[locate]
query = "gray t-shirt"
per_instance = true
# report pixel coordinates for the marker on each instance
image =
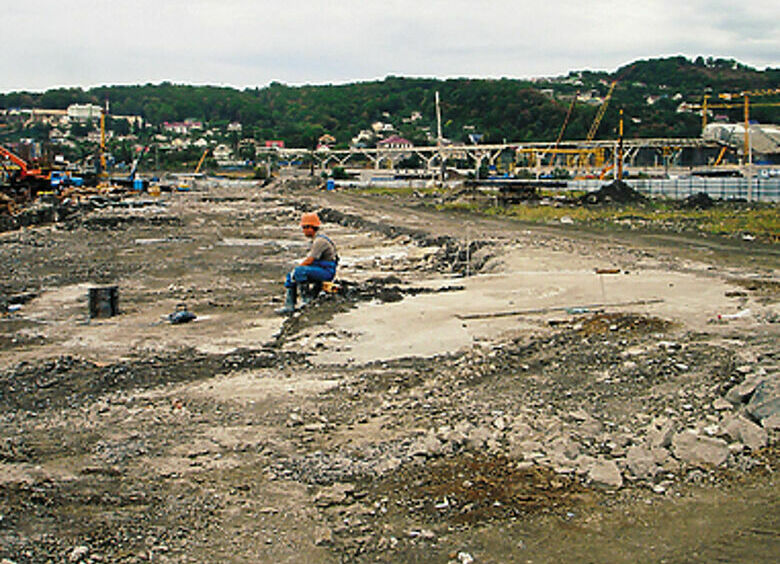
(322, 249)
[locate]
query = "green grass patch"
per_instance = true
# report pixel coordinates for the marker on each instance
(728, 219)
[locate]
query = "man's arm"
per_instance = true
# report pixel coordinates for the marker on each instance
(307, 261)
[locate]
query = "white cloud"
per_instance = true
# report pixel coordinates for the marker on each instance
(250, 43)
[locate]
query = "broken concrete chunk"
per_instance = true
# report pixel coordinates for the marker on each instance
(742, 392)
(333, 495)
(605, 473)
(478, 436)
(771, 423)
(740, 429)
(659, 433)
(323, 536)
(696, 450)
(428, 446)
(721, 404)
(641, 462)
(765, 401)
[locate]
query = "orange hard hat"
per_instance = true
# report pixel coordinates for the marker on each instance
(310, 219)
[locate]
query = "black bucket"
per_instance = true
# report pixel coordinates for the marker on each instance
(103, 301)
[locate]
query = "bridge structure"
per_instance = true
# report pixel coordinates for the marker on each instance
(578, 155)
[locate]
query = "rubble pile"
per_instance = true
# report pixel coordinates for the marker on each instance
(617, 192)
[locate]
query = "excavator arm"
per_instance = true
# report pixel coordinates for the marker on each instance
(24, 168)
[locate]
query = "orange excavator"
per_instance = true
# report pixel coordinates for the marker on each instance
(24, 182)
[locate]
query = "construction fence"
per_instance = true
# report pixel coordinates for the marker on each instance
(757, 189)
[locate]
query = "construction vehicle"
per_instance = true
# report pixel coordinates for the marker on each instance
(23, 181)
(25, 173)
(131, 181)
(186, 184)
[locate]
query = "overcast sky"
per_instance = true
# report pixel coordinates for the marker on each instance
(247, 43)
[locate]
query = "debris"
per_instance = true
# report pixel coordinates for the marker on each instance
(738, 315)
(617, 192)
(78, 554)
(181, 315)
(693, 449)
(605, 473)
(699, 201)
(575, 309)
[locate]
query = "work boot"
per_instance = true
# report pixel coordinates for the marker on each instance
(289, 301)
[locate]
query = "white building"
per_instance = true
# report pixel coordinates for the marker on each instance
(84, 112)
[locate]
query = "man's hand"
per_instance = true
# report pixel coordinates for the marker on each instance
(308, 261)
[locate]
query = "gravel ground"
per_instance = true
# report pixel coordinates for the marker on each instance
(229, 439)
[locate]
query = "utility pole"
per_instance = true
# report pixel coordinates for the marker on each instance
(103, 172)
(704, 113)
(620, 148)
(439, 139)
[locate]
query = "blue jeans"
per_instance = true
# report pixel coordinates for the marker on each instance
(319, 271)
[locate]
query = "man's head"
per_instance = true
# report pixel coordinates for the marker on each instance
(310, 222)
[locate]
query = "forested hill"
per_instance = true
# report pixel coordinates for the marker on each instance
(649, 91)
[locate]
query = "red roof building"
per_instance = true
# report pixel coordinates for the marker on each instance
(395, 142)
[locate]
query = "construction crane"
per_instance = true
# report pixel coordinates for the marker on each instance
(745, 95)
(566, 119)
(201, 161)
(594, 127)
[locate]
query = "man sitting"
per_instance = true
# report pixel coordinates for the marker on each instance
(319, 265)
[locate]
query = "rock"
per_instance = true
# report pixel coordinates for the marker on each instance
(765, 401)
(333, 495)
(499, 423)
(387, 464)
(563, 448)
(771, 423)
(659, 433)
(742, 392)
(589, 429)
(661, 456)
(521, 429)
(78, 554)
(520, 449)
(693, 449)
(323, 536)
(584, 463)
(579, 415)
(427, 446)
(721, 404)
(493, 446)
(465, 558)
(456, 437)
(740, 429)
(477, 437)
(605, 473)
(641, 462)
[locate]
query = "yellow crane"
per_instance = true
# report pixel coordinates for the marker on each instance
(745, 95)
(594, 127)
(566, 119)
(200, 162)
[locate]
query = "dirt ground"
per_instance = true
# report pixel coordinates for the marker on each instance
(479, 390)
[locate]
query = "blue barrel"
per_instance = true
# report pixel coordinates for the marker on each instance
(330, 184)
(138, 184)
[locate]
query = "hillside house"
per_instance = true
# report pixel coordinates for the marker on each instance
(395, 142)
